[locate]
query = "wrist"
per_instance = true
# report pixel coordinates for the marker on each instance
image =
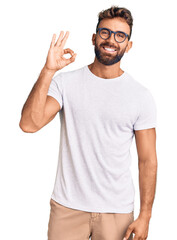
(48, 71)
(145, 214)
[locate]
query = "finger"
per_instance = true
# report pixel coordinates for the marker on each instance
(59, 38)
(64, 39)
(70, 60)
(53, 40)
(127, 235)
(68, 50)
(137, 238)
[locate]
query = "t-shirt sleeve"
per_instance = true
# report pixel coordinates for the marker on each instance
(55, 89)
(148, 112)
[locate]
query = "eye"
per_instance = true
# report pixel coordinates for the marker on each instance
(120, 35)
(105, 32)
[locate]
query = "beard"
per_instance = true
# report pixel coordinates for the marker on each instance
(108, 58)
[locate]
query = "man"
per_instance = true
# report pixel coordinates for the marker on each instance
(101, 109)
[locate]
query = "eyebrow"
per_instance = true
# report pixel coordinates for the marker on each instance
(112, 30)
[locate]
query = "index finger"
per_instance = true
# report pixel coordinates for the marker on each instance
(64, 39)
(59, 38)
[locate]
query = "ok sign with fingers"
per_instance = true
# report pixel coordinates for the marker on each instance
(55, 58)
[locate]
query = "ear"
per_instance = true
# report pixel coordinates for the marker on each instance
(129, 45)
(93, 38)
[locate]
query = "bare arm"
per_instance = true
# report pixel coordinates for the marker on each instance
(147, 161)
(33, 109)
(39, 109)
(146, 148)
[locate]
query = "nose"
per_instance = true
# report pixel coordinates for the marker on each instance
(111, 38)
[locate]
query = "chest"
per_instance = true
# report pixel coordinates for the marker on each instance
(110, 104)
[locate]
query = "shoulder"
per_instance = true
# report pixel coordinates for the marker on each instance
(135, 84)
(75, 72)
(136, 87)
(69, 77)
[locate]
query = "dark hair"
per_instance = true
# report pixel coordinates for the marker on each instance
(115, 11)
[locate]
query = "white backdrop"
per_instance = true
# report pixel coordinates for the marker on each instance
(28, 161)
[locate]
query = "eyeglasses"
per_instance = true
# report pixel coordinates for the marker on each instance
(119, 36)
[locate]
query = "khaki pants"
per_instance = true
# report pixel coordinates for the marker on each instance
(71, 224)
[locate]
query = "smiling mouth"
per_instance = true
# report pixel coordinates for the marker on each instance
(109, 50)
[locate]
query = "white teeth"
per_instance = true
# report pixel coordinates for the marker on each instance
(110, 49)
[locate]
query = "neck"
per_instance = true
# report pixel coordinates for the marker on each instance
(104, 71)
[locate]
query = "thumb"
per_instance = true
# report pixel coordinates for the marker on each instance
(127, 235)
(71, 59)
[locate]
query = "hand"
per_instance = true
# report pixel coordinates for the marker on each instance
(139, 227)
(55, 60)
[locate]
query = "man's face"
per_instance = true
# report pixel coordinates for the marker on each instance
(107, 57)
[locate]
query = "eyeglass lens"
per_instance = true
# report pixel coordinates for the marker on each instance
(105, 34)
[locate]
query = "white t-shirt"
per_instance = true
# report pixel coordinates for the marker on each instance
(98, 119)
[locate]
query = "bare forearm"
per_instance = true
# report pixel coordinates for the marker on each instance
(147, 185)
(33, 108)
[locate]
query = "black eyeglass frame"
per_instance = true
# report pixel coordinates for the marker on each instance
(110, 32)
